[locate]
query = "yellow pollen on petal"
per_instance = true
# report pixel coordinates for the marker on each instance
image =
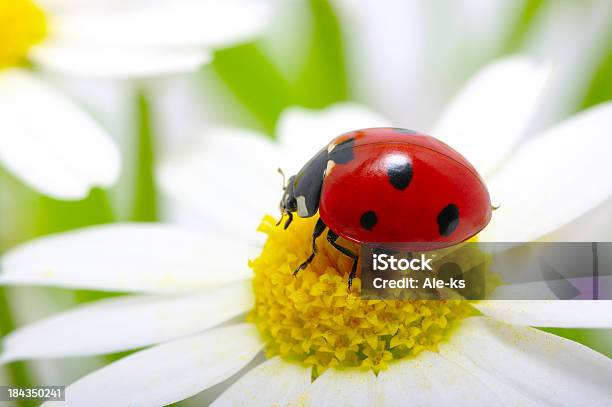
(22, 25)
(314, 319)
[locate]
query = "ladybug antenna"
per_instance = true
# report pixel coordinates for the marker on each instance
(495, 206)
(280, 171)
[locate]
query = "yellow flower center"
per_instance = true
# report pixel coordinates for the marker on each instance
(315, 320)
(22, 25)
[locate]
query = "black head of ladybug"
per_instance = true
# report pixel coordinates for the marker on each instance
(288, 203)
(303, 190)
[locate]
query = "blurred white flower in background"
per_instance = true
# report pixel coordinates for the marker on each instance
(232, 180)
(229, 179)
(405, 59)
(45, 139)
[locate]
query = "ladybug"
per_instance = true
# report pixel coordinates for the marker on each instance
(388, 185)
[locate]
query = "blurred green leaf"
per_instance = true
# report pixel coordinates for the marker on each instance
(600, 88)
(322, 80)
(54, 216)
(262, 88)
(255, 80)
(145, 197)
(579, 335)
(523, 25)
(17, 203)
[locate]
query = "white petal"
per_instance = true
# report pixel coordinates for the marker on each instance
(128, 257)
(117, 62)
(273, 383)
(541, 290)
(489, 116)
(303, 132)
(50, 144)
(170, 372)
(553, 178)
(525, 365)
(130, 322)
(562, 314)
(165, 23)
(350, 388)
(431, 380)
(230, 178)
(595, 226)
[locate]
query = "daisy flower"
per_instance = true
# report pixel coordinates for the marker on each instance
(45, 139)
(324, 344)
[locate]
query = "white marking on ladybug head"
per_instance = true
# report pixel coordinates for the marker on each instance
(302, 210)
(330, 147)
(329, 168)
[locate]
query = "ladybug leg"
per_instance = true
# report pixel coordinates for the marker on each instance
(281, 217)
(289, 220)
(316, 232)
(331, 238)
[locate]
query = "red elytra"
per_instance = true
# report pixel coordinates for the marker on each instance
(411, 212)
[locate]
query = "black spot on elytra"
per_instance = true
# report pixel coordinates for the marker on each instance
(368, 220)
(448, 219)
(343, 152)
(399, 172)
